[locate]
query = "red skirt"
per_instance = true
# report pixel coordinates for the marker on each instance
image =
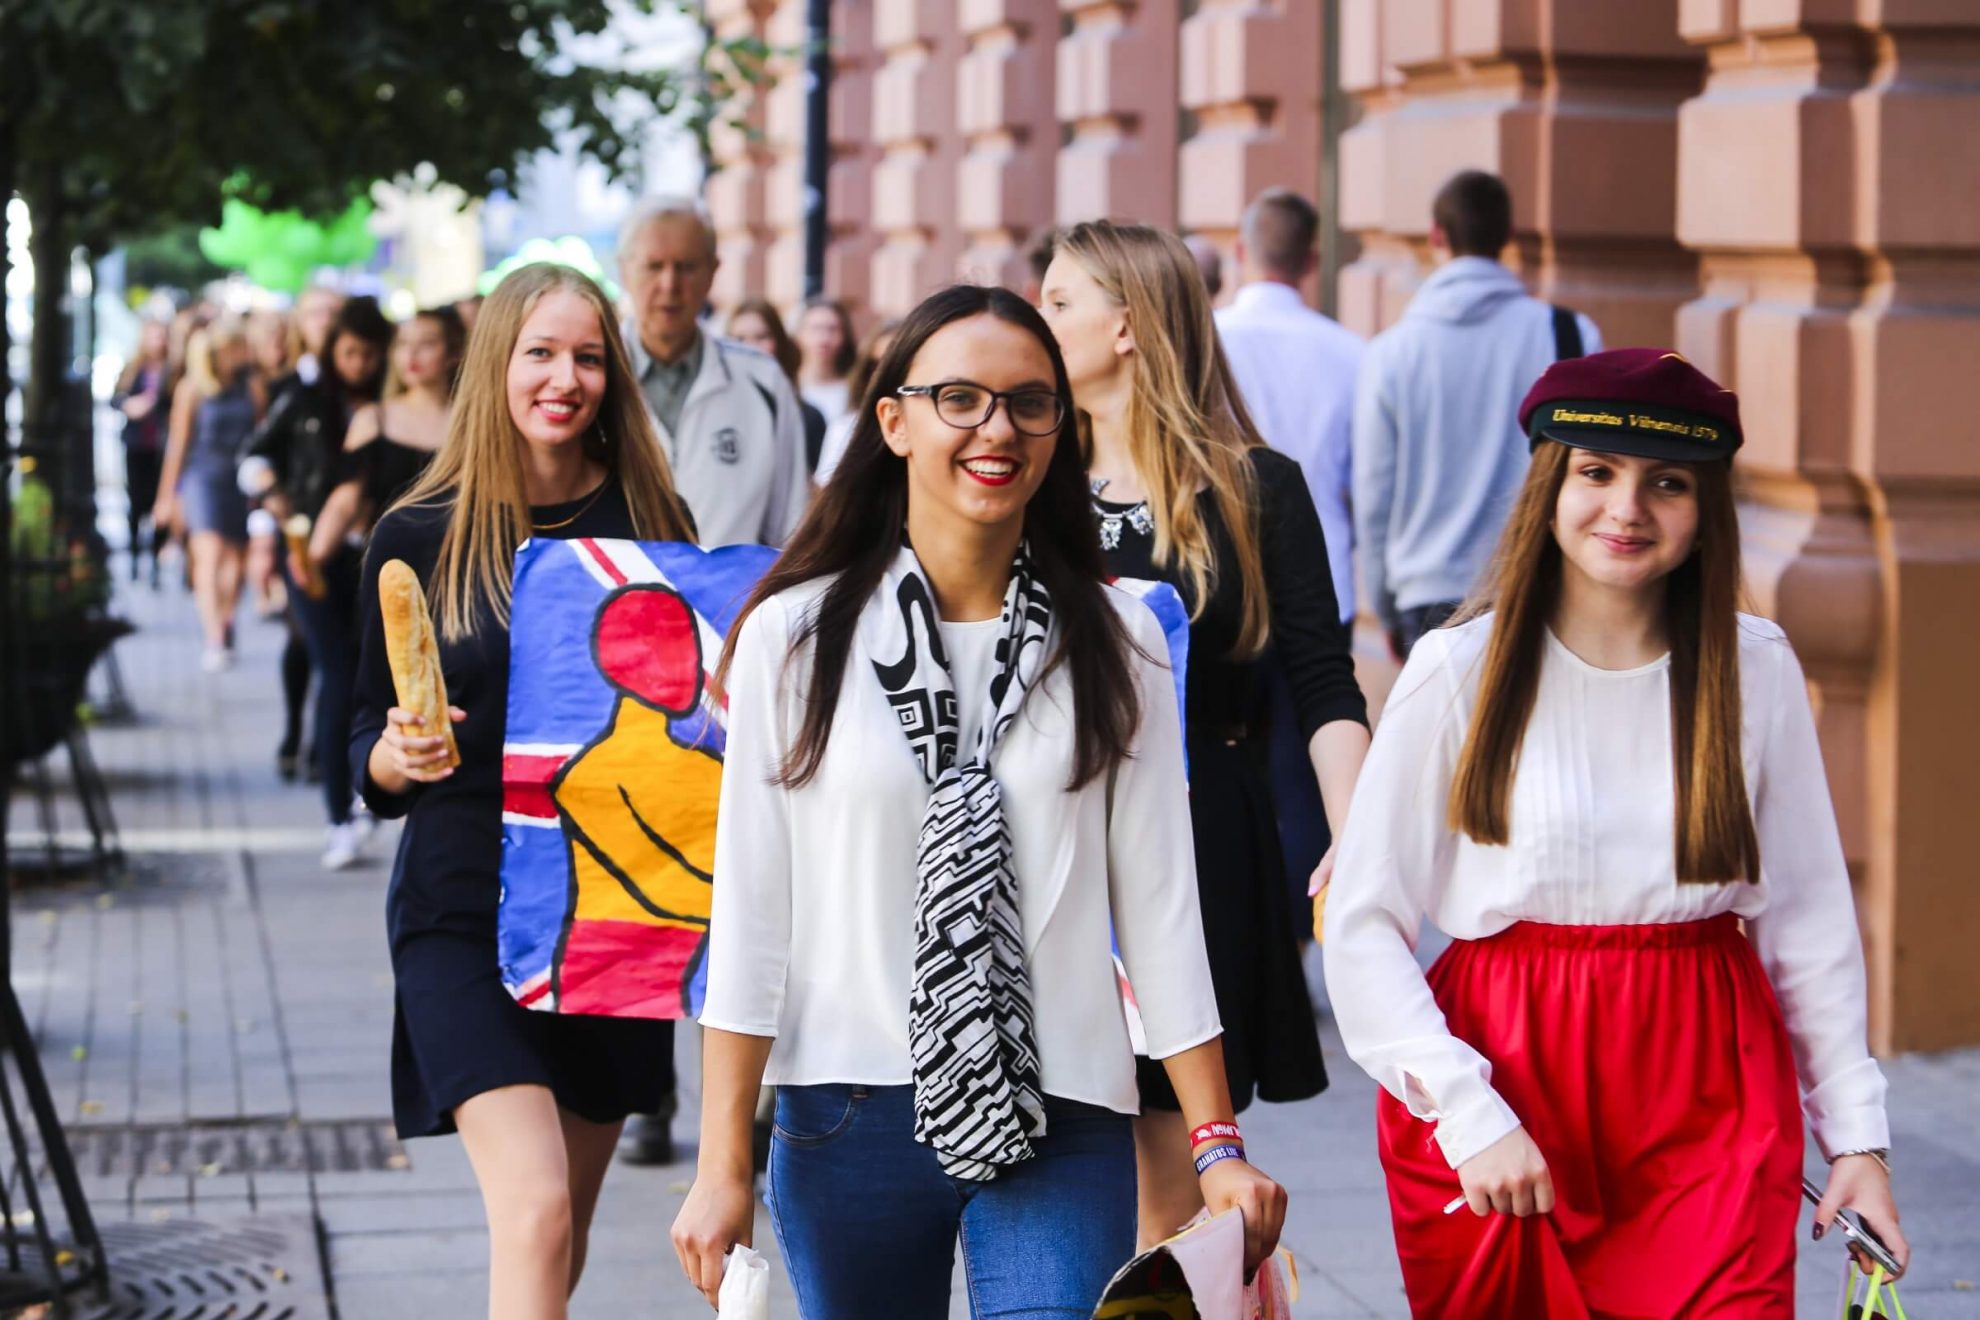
(1651, 1066)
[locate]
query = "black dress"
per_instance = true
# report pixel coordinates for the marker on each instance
(457, 1032)
(1271, 1044)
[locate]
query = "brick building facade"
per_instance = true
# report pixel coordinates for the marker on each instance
(1782, 189)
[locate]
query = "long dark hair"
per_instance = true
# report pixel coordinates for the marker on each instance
(1714, 836)
(853, 532)
(359, 318)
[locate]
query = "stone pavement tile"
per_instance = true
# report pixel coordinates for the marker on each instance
(358, 1214)
(434, 1251)
(1321, 1297)
(222, 1186)
(421, 1294)
(162, 1188)
(279, 1183)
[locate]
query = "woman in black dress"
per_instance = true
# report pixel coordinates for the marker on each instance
(293, 463)
(549, 437)
(391, 443)
(1187, 493)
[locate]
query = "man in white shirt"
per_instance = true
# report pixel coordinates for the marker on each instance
(1438, 451)
(1295, 368)
(726, 414)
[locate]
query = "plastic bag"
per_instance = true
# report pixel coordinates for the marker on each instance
(745, 1292)
(1879, 1299)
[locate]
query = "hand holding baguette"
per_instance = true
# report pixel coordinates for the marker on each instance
(421, 730)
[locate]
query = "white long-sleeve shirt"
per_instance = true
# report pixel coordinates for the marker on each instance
(1592, 810)
(811, 939)
(1296, 370)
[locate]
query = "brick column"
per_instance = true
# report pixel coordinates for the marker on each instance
(1010, 130)
(1574, 105)
(1251, 75)
(1117, 73)
(735, 187)
(1827, 180)
(849, 188)
(783, 142)
(914, 183)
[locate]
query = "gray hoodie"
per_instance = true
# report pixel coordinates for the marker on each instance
(1438, 453)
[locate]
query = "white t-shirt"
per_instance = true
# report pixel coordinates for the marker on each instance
(1592, 808)
(829, 398)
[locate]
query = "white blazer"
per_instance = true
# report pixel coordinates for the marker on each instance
(812, 935)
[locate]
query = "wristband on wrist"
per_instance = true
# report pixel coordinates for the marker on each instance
(1207, 1132)
(1882, 1157)
(1215, 1155)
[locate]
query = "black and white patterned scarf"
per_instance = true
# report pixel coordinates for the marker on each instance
(977, 1099)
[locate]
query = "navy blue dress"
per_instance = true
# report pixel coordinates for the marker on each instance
(457, 1032)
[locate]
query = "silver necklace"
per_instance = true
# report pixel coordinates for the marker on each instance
(1135, 516)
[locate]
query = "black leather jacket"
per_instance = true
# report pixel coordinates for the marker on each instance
(302, 439)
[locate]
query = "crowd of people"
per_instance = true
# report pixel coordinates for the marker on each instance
(1593, 772)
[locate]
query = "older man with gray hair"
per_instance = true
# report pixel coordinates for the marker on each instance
(727, 414)
(734, 437)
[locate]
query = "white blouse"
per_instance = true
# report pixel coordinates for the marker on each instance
(1591, 844)
(811, 940)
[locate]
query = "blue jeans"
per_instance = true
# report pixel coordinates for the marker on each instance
(330, 632)
(868, 1222)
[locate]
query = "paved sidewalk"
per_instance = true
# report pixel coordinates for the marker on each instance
(216, 1030)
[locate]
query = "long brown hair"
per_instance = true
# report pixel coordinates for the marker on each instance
(1187, 425)
(1715, 838)
(853, 531)
(479, 468)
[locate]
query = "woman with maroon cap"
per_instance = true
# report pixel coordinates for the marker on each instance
(1604, 782)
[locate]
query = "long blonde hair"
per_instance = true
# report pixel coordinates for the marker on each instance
(479, 469)
(1187, 426)
(202, 354)
(1714, 837)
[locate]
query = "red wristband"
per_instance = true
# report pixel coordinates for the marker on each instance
(1215, 1132)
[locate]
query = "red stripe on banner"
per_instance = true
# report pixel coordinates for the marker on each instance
(526, 784)
(627, 969)
(604, 561)
(534, 993)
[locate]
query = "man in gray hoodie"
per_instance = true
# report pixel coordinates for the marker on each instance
(1438, 454)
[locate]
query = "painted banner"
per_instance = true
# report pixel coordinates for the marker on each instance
(612, 768)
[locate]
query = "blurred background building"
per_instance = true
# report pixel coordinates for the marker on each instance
(1784, 190)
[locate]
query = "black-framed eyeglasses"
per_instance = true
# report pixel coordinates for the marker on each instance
(966, 405)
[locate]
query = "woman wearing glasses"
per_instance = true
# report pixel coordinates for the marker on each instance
(954, 767)
(1187, 493)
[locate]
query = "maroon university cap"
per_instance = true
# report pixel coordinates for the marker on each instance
(1644, 401)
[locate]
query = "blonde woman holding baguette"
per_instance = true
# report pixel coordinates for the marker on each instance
(548, 437)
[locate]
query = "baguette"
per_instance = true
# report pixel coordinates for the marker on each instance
(414, 653)
(301, 567)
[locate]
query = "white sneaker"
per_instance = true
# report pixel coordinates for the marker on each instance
(341, 846)
(216, 660)
(364, 823)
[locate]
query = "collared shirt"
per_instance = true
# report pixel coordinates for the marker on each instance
(1296, 370)
(811, 940)
(666, 384)
(734, 439)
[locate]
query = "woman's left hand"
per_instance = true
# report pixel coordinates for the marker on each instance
(1862, 1183)
(1323, 874)
(1229, 1183)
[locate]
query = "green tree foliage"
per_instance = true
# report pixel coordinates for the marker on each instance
(155, 111)
(122, 117)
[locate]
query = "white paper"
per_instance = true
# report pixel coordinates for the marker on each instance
(745, 1292)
